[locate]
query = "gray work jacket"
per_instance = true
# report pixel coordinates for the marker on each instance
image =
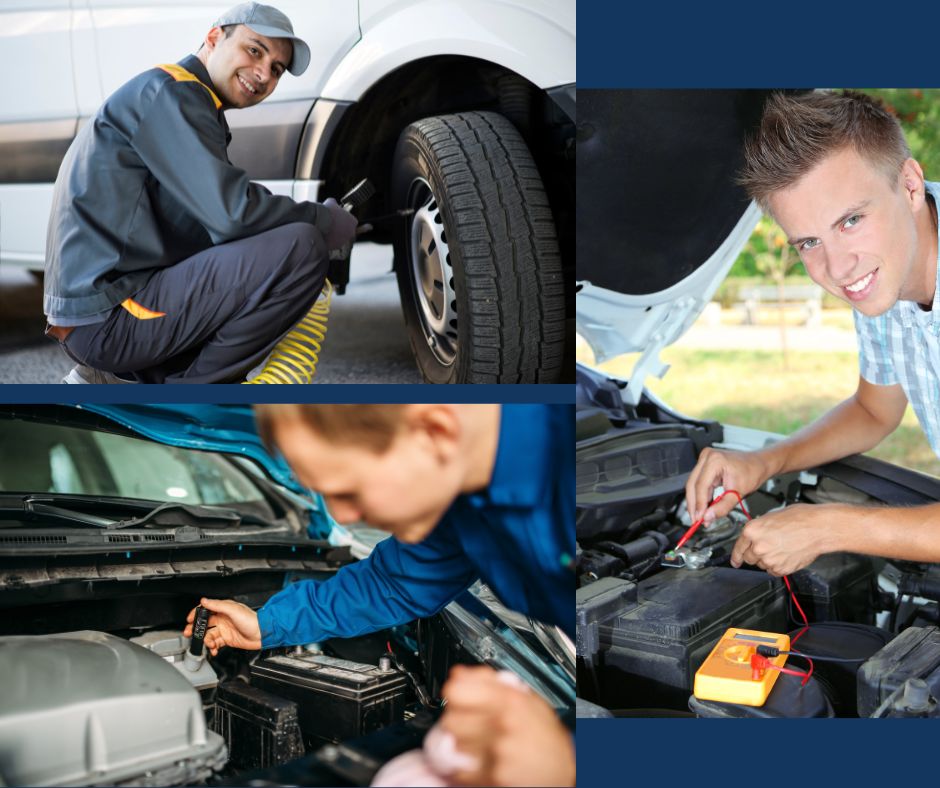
(147, 183)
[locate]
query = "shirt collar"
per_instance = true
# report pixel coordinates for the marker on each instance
(523, 460)
(909, 312)
(195, 66)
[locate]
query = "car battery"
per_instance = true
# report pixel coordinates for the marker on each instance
(650, 651)
(337, 699)
(595, 604)
(260, 730)
(838, 587)
(914, 654)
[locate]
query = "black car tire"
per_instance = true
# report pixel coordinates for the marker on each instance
(478, 263)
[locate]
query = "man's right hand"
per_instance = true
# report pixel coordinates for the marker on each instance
(732, 470)
(230, 624)
(343, 229)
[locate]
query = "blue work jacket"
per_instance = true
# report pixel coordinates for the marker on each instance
(517, 535)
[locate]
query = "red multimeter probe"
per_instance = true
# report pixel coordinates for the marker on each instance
(722, 681)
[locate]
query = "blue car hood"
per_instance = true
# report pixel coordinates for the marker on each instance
(229, 429)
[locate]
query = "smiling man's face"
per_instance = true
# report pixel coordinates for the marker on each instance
(860, 236)
(245, 66)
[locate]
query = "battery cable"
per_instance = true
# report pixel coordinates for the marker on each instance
(760, 661)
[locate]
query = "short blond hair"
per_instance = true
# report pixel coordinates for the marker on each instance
(797, 132)
(372, 426)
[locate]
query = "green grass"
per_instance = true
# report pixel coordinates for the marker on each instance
(752, 389)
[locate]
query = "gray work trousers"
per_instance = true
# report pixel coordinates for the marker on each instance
(225, 310)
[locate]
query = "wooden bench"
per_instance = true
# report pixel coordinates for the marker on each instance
(809, 296)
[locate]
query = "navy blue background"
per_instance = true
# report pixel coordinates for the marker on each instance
(757, 753)
(388, 393)
(757, 44)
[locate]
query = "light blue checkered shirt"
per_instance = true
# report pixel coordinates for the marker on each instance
(903, 346)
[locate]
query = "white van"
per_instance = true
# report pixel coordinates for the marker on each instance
(394, 89)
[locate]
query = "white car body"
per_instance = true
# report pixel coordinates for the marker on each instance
(67, 56)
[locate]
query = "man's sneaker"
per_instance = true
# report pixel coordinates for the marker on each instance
(83, 374)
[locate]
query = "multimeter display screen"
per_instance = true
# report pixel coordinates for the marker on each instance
(755, 638)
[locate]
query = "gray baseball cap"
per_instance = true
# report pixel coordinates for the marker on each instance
(268, 21)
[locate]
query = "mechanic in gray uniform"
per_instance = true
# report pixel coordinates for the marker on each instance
(165, 263)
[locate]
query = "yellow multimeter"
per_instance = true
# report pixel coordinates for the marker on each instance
(727, 674)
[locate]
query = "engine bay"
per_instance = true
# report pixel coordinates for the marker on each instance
(648, 614)
(95, 708)
(100, 687)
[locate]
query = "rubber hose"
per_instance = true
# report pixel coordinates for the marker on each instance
(294, 359)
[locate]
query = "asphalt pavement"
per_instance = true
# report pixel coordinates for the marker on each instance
(366, 340)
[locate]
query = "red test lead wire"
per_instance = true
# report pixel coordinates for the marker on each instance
(805, 619)
(697, 524)
(691, 532)
(760, 664)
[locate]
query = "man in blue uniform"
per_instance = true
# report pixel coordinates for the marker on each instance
(469, 492)
(165, 263)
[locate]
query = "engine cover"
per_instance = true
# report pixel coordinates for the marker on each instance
(84, 708)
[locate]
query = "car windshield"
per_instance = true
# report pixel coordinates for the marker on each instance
(57, 458)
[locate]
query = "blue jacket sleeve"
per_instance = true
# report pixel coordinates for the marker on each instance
(395, 584)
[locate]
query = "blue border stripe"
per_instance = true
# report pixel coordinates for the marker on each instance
(743, 44)
(667, 752)
(233, 394)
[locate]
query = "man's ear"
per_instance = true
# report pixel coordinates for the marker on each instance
(438, 427)
(212, 38)
(912, 181)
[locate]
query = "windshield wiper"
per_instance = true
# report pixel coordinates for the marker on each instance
(165, 515)
(64, 514)
(176, 514)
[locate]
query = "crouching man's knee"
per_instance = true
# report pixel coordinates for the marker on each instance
(304, 256)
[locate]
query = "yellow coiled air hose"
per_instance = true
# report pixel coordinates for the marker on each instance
(294, 359)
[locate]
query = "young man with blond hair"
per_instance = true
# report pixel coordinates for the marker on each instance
(835, 172)
(468, 492)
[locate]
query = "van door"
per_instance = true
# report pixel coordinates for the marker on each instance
(134, 35)
(37, 121)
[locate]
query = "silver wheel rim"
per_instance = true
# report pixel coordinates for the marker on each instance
(432, 274)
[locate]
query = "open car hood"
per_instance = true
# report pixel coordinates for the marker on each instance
(660, 217)
(229, 429)
(222, 428)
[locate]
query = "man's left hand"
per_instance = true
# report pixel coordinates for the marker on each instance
(513, 734)
(786, 540)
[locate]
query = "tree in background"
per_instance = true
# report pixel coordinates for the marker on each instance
(774, 258)
(919, 114)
